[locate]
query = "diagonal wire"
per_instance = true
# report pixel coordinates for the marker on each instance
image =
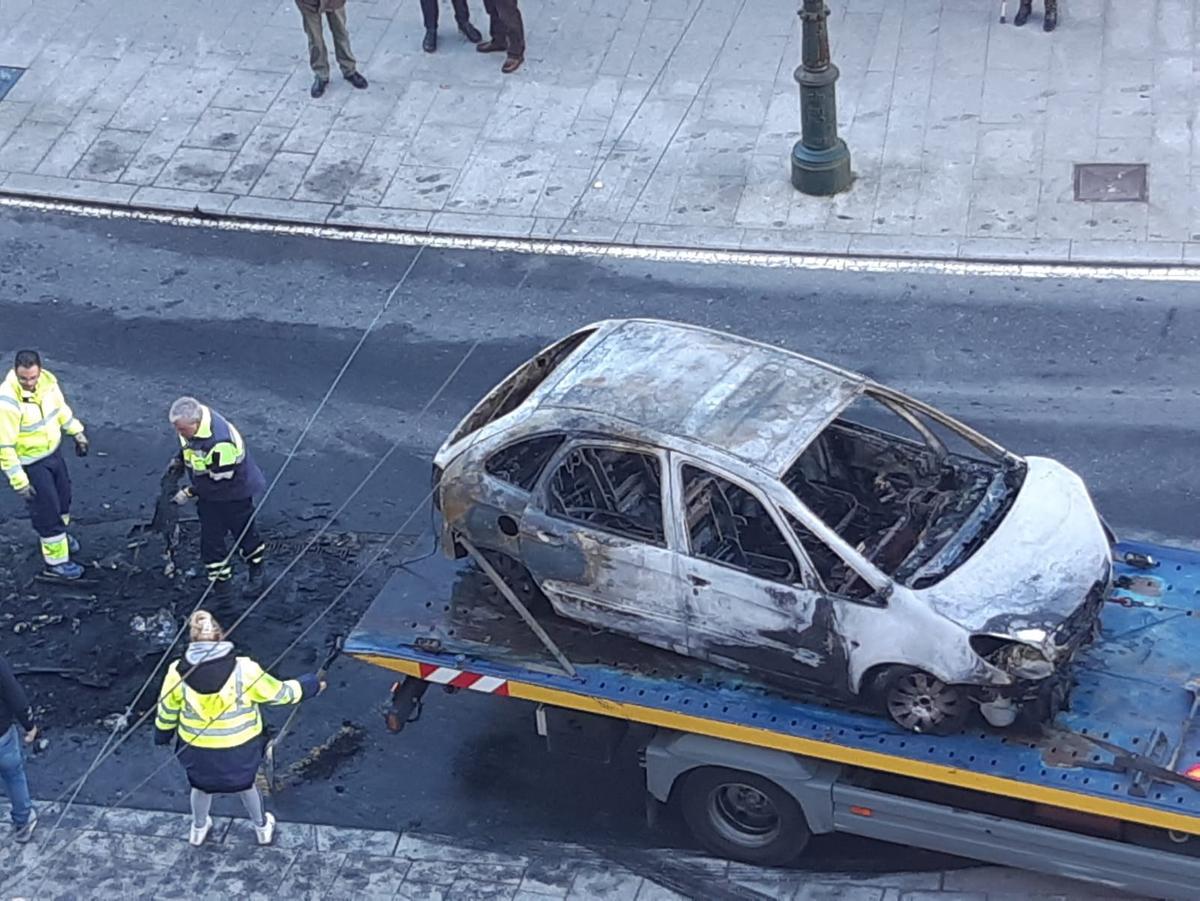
(123, 720)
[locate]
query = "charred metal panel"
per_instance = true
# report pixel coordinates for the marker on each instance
(755, 402)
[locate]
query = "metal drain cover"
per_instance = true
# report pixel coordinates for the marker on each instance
(1108, 182)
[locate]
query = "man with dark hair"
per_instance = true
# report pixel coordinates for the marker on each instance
(508, 34)
(34, 416)
(16, 727)
(462, 16)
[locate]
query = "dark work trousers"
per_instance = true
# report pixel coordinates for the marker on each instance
(52, 484)
(507, 27)
(219, 519)
(429, 12)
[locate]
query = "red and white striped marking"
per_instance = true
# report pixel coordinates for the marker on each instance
(444, 675)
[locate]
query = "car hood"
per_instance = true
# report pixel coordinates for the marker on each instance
(1037, 567)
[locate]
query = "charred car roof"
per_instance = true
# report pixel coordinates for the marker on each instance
(758, 403)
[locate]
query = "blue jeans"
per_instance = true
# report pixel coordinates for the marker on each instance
(12, 771)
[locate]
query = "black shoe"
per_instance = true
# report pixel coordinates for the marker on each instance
(1023, 14)
(256, 581)
(512, 64)
(356, 79)
(429, 45)
(470, 32)
(1050, 21)
(318, 87)
(492, 46)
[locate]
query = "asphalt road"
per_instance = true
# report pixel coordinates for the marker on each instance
(1100, 374)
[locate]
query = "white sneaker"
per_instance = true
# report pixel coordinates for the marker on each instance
(266, 832)
(196, 836)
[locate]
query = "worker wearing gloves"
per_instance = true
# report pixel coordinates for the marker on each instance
(224, 480)
(34, 416)
(210, 702)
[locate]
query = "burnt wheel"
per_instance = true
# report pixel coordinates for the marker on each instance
(920, 702)
(517, 577)
(743, 816)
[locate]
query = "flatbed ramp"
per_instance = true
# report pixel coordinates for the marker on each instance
(1108, 755)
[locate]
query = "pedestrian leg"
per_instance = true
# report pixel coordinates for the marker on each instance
(251, 547)
(429, 14)
(499, 39)
(46, 519)
(318, 55)
(341, 42)
(12, 772)
(62, 485)
(201, 808)
(1050, 19)
(462, 15)
(252, 801)
(213, 555)
(514, 27)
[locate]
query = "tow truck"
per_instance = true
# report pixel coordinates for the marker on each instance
(1108, 792)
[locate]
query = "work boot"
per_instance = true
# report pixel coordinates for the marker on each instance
(1023, 13)
(266, 832)
(256, 581)
(68, 572)
(1050, 20)
(470, 32)
(429, 45)
(23, 834)
(318, 87)
(196, 836)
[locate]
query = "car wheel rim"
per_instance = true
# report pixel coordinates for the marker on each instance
(743, 815)
(918, 702)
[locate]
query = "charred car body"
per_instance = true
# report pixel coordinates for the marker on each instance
(772, 514)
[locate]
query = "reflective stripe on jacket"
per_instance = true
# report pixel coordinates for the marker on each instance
(228, 717)
(31, 424)
(220, 467)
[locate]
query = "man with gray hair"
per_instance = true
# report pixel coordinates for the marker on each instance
(224, 480)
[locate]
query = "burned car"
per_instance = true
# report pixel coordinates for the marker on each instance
(778, 516)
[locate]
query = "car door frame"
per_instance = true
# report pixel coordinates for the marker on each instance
(645, 570)
(778, 655)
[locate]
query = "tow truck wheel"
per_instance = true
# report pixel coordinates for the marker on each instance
(742, 816)
(923, 703)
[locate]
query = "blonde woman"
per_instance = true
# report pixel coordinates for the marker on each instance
(209, 701)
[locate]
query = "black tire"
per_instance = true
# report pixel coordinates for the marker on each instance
(517, 577)
(922, 703)
(742, 816)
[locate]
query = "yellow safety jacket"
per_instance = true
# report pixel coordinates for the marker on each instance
(31, 424)
(228, 717)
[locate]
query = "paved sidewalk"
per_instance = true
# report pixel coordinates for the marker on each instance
(963, 131)
(135, 854)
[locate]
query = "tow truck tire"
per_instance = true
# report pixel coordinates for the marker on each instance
(742, 816)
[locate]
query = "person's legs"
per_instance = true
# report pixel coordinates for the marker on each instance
(252, 801)
(318, 55)
(201, 808)
(429, 13)
(44, 512)
(12, 772)
(496, 28)
(213, 554)
(514, 27)
(341, 42)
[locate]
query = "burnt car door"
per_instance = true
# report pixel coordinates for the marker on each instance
(751, 601)
(593, 537)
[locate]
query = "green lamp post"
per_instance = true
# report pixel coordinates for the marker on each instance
(820, 159)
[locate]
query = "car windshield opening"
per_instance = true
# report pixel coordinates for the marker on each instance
(902, 488)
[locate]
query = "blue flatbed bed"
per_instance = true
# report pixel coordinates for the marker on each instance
(444, 623)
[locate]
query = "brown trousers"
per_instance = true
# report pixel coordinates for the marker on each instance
(318, 55)
(507, 26)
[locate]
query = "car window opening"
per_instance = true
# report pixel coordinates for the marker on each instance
(900, 501)
(837, 575)
(522, 463)
(612, 490)
(727, 525)
(513, 391)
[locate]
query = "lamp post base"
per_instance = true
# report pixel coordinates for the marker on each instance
(821, 172)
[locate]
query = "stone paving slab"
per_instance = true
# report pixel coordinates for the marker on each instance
(139, 854)
(655, 122)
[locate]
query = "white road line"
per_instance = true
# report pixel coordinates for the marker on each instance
(1150, 272)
